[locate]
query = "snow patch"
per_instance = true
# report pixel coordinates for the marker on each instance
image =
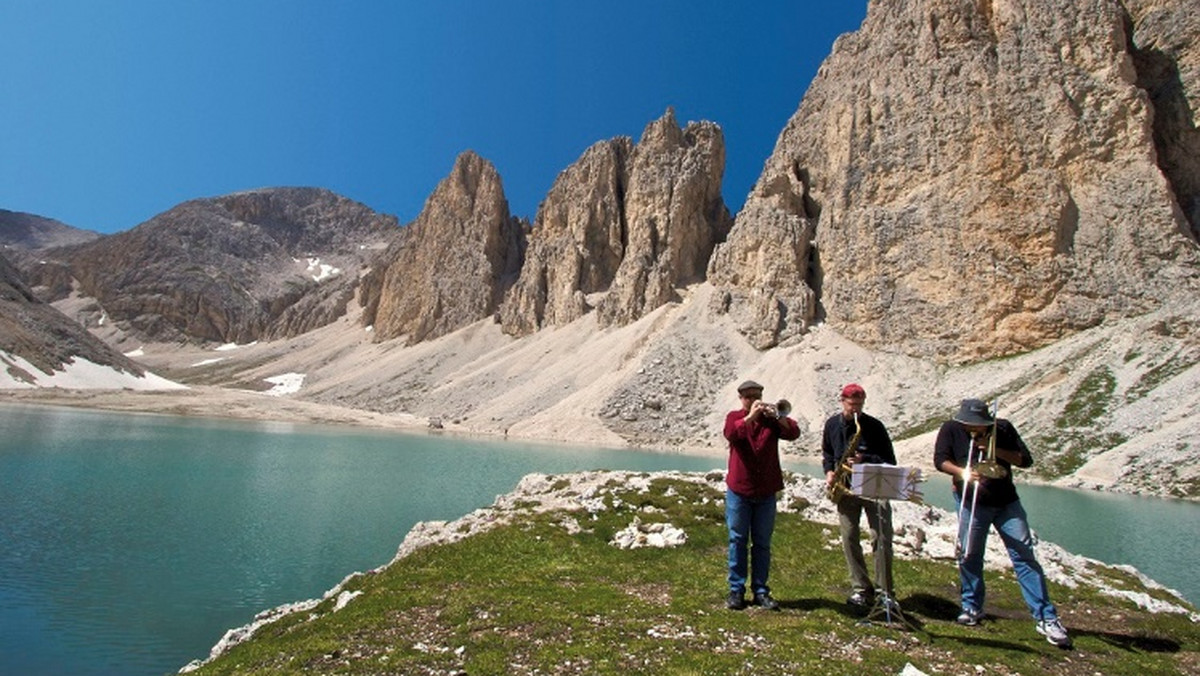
(136, 353)
(321, 271)
(288, 383)
(206, 362)
(77, 374)
(233, 346)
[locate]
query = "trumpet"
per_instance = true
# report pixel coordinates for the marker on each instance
(780, 409)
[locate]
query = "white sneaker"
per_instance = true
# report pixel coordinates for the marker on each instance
(970, 618)
(1054, 632)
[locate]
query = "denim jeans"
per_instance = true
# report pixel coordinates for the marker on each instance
(751, 522)
(1011, 523)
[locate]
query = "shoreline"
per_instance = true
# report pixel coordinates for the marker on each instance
(248, 406)
(218, 403)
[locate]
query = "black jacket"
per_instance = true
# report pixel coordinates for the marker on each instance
(874, 444)
(953, 443)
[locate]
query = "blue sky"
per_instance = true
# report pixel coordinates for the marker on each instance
(115, 111)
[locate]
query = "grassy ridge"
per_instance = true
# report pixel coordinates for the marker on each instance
(533, 596)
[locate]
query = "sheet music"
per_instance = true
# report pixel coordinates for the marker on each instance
(887, 482)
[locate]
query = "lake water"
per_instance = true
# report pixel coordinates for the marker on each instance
(130, 543)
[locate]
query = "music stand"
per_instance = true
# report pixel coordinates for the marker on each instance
(878, 483)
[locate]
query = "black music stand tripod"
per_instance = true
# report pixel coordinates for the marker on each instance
(880, 483)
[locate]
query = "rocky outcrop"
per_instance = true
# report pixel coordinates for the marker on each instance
(44, 337)
(254, 265)
(674, 216)
(763, 272)
(453, 264)
(979, 179)
(623, 227)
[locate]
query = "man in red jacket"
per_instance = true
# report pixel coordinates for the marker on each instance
(752, 482)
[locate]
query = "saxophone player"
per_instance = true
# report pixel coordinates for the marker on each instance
(873, 445)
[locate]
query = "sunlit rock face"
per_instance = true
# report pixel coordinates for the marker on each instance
(971, 179)
(452, 265)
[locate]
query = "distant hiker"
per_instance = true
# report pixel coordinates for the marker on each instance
(979, 450)
(852, 437)
(753, 482)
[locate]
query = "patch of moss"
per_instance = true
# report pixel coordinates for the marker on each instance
(1065, 453)
(1090, 399)
(1158, 375)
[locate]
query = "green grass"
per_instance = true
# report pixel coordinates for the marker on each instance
(1090, 400)
(530, 598)
(1076, 438)
(1158, 375)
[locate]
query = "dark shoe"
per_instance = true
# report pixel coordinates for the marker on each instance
(765, 601)
(736, 601)
(969, 617)
(861, 599)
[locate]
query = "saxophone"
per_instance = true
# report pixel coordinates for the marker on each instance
(840, 487)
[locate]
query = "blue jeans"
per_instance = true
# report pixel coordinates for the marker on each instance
(751, 522)
(1011, 523)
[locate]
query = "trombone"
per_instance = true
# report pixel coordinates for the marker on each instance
(986, 466)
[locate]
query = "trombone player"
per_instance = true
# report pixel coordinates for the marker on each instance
(871, 444)
(979, 450)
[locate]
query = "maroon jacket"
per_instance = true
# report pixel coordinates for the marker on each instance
(754, 453)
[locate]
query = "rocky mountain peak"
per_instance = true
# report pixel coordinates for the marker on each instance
(31, 232)
(622, 227)
(258, 264)
(453, 264)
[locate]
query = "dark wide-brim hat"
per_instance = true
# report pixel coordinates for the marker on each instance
(974, 412)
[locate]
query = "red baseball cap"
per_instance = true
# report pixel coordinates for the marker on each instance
(852, 391)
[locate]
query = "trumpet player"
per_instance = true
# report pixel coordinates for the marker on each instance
(979, 450)
(752, 483)
(873, 445)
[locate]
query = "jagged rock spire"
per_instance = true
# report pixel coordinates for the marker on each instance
(622, 227)
(453, 264)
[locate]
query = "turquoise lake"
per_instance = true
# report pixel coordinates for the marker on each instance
(130, 543)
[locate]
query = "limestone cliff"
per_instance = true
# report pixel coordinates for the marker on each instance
(453, 264)
(977, 179)
(1165, 45)
(622, 227)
